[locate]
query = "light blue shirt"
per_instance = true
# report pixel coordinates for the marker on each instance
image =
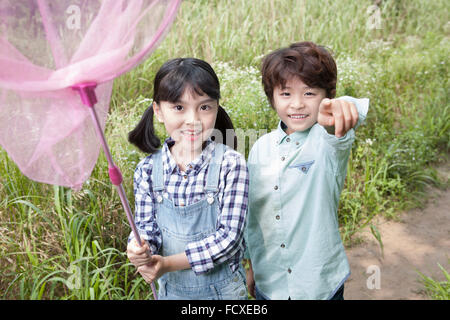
(292, 230)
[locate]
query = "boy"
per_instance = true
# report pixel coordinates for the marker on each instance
(296, 175)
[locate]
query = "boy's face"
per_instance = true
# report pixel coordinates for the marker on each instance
(297, 104)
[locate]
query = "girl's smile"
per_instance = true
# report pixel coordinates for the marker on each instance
(191, 135)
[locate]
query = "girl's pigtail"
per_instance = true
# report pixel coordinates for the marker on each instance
(226, 128)
(143, 136)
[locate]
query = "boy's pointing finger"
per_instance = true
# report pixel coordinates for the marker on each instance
(347, 117)
(325, 105)
(339, 123)
(325, 115)
(355, 115)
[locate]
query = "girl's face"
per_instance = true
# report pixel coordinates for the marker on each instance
(297, 104)
(189, 121)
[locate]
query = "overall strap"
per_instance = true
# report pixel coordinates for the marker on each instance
(157, 172)
(212, 180)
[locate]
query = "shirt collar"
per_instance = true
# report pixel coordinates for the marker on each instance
(197, 164)
(297, 136)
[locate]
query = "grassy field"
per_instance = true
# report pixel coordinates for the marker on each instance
(56, 243)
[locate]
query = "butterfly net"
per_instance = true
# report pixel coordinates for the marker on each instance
(48, 46)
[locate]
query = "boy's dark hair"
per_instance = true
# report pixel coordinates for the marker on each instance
(312, 63)
(170, 82)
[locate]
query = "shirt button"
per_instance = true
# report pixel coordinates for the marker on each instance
(297, 143)
(277, 217)
(276, 187)
(288, 140)
(283, 158)
(289, 270)
(282, 245)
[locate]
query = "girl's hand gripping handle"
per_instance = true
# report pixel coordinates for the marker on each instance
(138, 255)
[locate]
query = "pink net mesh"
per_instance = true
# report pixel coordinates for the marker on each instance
(48, 46)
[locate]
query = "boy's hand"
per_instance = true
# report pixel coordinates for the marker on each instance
(337, 116)
(138, 255)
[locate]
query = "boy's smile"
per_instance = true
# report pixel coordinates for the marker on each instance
(297, 104)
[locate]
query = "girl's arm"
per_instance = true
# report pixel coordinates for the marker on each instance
(145, 212)
(227, 240)
(159, 265)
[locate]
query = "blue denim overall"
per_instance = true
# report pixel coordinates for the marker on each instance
(181, 225)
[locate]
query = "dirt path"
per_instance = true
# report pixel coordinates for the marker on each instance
(418, 242)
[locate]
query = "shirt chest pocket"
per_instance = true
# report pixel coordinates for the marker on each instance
(303, 165)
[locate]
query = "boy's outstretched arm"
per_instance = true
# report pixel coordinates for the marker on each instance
(337, 116)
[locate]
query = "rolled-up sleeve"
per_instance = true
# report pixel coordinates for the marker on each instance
(228, 238)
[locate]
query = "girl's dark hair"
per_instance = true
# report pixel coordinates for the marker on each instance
(170, 82)
(312, 63)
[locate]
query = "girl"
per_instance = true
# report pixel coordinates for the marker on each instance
(191, 195)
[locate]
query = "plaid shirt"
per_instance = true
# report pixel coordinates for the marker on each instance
(186, 188)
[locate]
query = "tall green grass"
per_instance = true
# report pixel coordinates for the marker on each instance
(437, 290)
(56, 243)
